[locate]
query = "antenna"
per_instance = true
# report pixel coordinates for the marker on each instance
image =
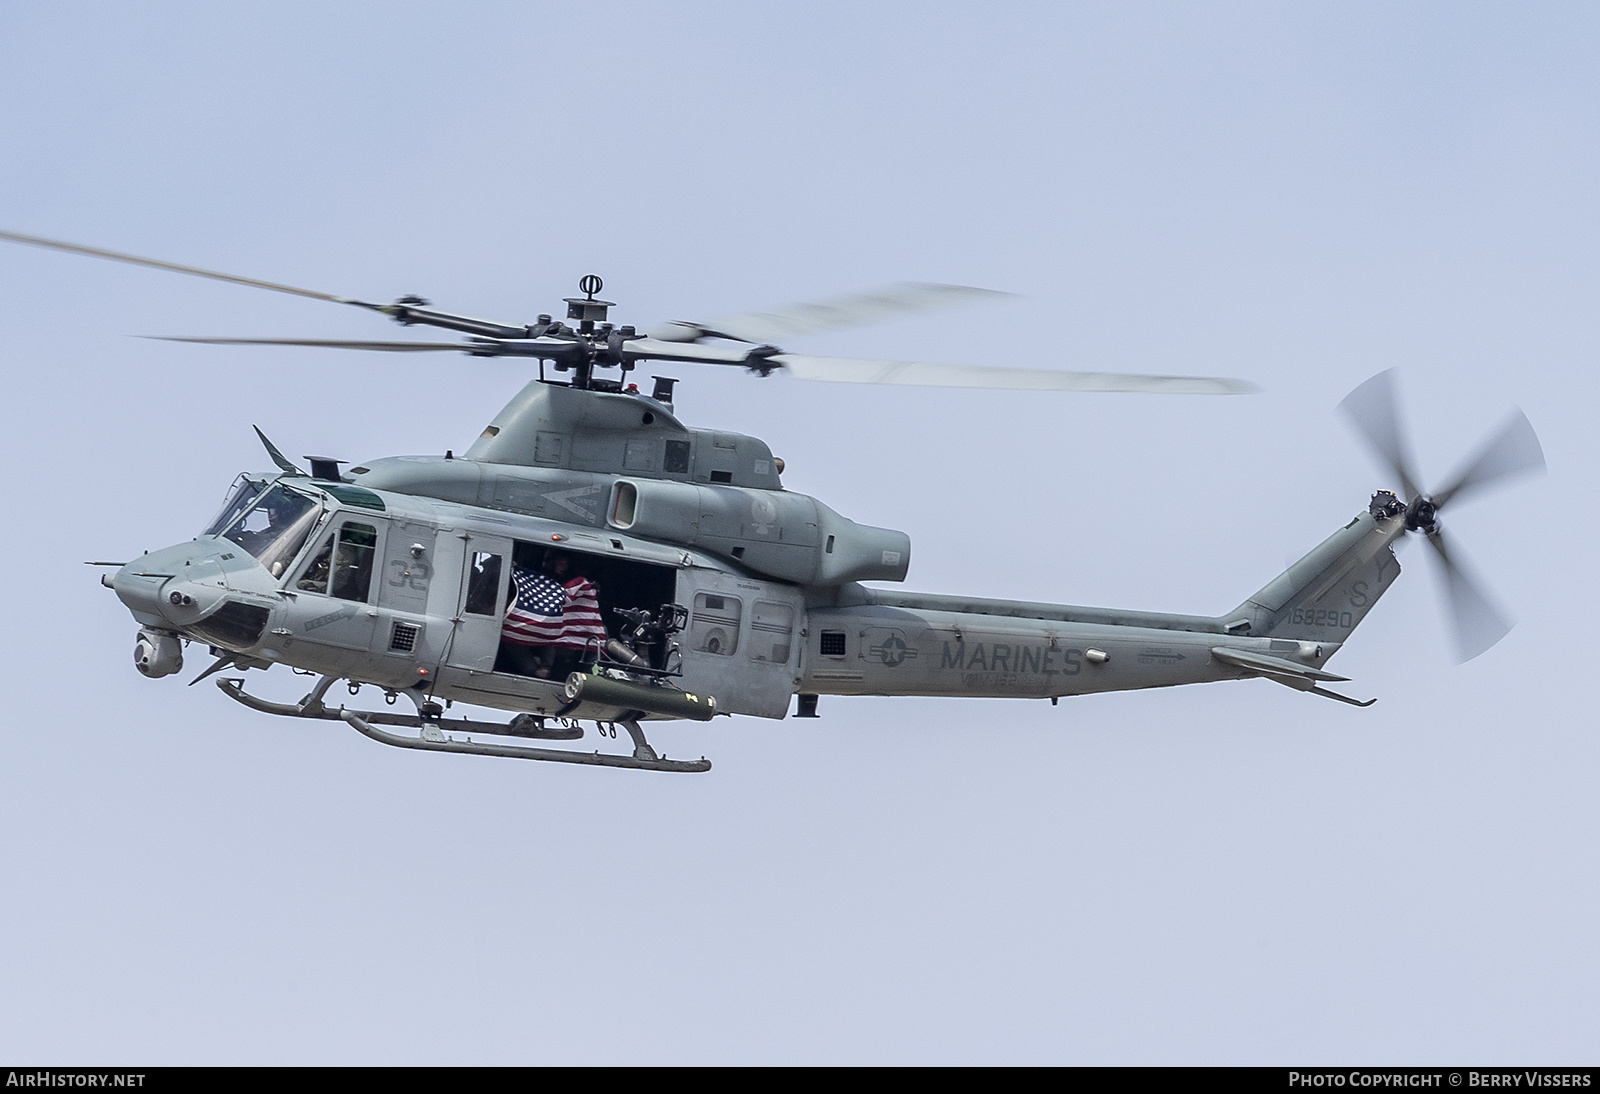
(586, 309)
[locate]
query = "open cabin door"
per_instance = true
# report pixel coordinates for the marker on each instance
(481, 603)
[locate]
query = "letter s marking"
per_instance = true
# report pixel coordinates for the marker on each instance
(1358, 595)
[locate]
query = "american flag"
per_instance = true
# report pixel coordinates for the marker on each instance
(547, 614)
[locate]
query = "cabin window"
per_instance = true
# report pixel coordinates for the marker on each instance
(352, 562)
(315, 578)
(771, 625)
(483, 583)
(715, 625)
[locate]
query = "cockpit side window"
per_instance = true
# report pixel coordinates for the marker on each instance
(275, 529)
(352, 564)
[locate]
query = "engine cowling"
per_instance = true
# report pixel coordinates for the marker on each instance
(775, 533)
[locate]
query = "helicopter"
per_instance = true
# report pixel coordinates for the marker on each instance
(590, 558)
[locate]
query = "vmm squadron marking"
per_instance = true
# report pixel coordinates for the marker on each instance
(332, 617)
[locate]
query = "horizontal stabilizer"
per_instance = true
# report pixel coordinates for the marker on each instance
(1286, 673)
(1275, 666)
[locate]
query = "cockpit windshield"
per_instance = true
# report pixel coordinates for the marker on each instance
(276, 528)
(245, 492)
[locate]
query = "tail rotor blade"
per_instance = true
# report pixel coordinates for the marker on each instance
(1515, 450)
(1374, 411)
(1478, 623)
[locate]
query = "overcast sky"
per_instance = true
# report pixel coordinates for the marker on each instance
(1300, 195)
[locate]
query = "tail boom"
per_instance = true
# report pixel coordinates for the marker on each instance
(887, 642)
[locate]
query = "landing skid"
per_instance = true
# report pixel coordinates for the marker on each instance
(435, 732)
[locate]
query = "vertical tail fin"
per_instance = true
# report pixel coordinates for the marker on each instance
(1324, 596)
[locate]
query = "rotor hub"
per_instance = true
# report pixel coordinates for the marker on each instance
(1422, 516)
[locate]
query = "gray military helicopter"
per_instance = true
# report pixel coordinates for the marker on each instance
(590, 558)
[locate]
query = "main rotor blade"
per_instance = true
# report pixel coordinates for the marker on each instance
(850, 370)
(326, 343)
(154, 263)
(1374, 410)
(780, 324)
(1477, 622)
(1515, 450)
(654, 349)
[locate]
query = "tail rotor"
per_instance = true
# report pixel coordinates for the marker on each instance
(1373, 409)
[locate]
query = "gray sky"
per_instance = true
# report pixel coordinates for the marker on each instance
(1301, 195)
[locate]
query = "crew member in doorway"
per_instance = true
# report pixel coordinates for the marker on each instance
(551, 612)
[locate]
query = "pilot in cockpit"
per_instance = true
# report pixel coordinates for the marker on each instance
(280, 512)
(274, 531)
